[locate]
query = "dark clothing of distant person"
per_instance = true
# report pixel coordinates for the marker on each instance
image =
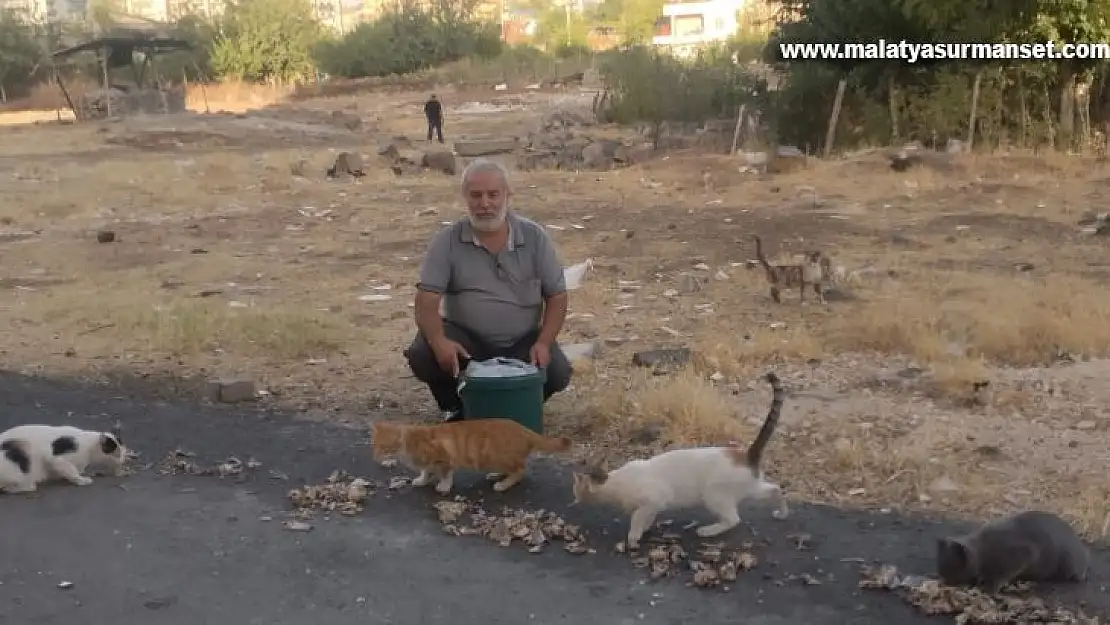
(433, 110)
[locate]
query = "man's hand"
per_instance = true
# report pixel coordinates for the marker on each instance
(448, 353)
(540, 355)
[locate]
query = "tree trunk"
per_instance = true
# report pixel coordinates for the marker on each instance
(973, 114)
(1067, 108)
(892, 95)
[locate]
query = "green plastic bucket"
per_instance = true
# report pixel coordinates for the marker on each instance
(518, 397)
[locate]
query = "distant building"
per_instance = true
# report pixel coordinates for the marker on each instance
(42, 11)
(685, 26)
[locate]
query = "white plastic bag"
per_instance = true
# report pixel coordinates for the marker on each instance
(576, 273)
(496, 368)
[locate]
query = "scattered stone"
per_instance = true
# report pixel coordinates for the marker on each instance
(105, 236)
(689, 284)
(296, 526)
(628, 155)
(485, 147)
(391, 150)
(231, 391)
(350, 121)
(578, 351)
(346, 164)
(647, 434)
(599, 156)
(65, 585)
(441, 161)
(943, 486)
(787, 158)
(562, 120)
(656, 357)
(1086, 425)
(299, 167)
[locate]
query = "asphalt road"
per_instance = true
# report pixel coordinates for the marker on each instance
(185, 550)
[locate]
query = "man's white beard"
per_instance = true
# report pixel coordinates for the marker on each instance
(491, 224)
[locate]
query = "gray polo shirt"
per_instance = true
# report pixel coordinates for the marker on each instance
(499, 297)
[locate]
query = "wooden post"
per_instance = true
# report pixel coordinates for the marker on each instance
(830, 134)
(974, 109)
(107, 83)
(736, 133)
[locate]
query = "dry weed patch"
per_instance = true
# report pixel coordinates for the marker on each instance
(185, 327)
(1007, 320)
(722, 351)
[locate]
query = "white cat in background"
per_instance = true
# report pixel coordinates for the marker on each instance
(718, 478)
(33, 454)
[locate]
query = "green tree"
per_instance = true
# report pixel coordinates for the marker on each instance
(634, 19)
(409, 39)
(20, 54)
(557, 27)
(267, 40)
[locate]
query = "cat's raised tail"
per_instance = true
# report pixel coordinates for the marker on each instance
(755, 451)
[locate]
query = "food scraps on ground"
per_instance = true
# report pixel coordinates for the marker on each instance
(971, 606)
(532, 528)
(342, 493)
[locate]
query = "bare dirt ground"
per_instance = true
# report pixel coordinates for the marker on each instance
(226, 263)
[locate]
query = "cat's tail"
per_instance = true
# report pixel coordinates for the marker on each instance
(552, 444)
(755, 452)
(759, 253)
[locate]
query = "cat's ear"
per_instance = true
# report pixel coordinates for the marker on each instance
(953, 549)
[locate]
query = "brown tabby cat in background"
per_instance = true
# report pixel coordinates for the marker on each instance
(498, 445)
(811, 272)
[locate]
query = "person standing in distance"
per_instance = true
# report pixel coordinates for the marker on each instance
(433, 110)
(501, 284)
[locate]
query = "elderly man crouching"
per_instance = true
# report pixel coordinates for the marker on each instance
(501, 284)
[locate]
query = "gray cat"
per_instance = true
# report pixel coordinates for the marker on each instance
(1028, 546)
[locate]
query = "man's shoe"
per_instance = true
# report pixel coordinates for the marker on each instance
(450, 416)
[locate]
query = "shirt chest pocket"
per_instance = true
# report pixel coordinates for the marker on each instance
(518, 273)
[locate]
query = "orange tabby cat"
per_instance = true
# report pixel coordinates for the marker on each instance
(498, 445)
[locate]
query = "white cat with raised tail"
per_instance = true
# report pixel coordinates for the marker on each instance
(716, 478)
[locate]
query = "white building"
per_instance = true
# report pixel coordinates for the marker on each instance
(686, 26)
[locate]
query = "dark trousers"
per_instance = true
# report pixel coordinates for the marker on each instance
(422, 362)
(437, 126)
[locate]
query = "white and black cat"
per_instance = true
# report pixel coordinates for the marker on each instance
(717, 478)
(33, 454)
(1028, 546)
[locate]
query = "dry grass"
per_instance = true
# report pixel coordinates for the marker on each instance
(228, 262)
(233, 96)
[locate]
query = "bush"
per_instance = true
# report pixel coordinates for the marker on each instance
(645, 85)
(408, 39)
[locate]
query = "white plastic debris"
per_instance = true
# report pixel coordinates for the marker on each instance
(576, 273)
(495, 368)
(499, 368)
